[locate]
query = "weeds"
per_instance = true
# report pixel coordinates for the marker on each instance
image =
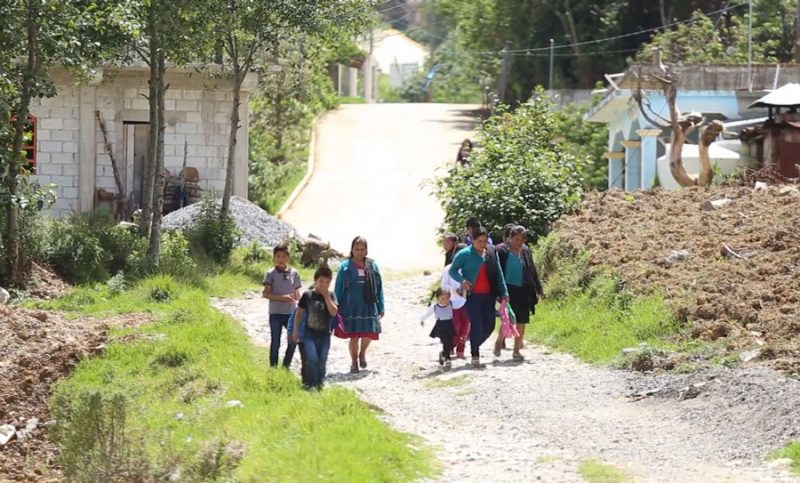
(199, 360)
(595, 471)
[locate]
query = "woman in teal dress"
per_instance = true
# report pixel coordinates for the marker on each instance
(359, 290)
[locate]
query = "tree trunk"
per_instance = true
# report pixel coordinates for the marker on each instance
(235, 121)
(15, 262)
(150, 174)
(709, 135)
(154, 251)
(676, 159)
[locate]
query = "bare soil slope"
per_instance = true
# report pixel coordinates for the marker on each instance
(732, 270)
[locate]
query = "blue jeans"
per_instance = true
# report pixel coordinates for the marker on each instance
(276, 324)
(480, 309)
(316, 347)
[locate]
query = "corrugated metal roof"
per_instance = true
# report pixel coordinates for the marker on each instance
(786, 96)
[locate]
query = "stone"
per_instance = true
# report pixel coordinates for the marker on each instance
(781, 463)
(760, 186)
(715, 205)
(234, 404)
(29, 428)
(4, 296)
(751, 355)
(7, 432)
(789, 191)
(677, 256)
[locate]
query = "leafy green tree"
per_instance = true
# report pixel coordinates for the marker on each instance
(35, 36)
(248, 26)
(521, 174)
(586, 141)
(725, 40)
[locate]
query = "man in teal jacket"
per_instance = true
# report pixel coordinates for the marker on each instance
(477, 269)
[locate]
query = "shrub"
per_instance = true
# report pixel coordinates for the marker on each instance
(32, 235)
(522, 174)
(216, 236)
(89, 247)
(94, 440)
(175, 257)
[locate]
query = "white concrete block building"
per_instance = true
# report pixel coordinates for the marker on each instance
(68, 148)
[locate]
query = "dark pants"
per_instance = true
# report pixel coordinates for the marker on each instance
(316, 347)
(480, 309)
(276, 324)
(301, 349)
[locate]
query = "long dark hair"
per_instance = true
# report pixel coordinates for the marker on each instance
(356, 241)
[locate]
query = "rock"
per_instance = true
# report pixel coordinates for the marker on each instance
(234, 404)
(4, 296)
(29, 428)
(677, 256)
(751, 355)
(7, 432)
(789, 191)
(760, 186)
(781, 463)
(715, 205)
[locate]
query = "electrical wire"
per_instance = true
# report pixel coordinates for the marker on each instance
(607, 39)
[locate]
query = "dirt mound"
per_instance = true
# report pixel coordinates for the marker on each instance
(36, 349)
(732, 267)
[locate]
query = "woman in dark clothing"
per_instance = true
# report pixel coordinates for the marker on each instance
(463, 153)
(524, 286)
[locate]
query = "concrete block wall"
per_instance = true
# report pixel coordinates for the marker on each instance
(199, 116)
(58, 139)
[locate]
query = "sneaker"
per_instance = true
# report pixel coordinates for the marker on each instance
(517, 356)
(441, 358)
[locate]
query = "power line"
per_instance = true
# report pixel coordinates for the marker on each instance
(608, 39)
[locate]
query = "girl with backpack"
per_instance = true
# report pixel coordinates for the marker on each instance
(524, 286)
(359, 291)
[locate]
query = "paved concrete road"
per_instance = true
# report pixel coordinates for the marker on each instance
(371, 162)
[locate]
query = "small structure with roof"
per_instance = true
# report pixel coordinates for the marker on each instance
(777, 141)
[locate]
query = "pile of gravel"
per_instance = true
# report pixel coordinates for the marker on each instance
(255, 224)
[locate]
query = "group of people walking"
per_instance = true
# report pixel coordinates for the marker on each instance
(353, 311)
(477, 275)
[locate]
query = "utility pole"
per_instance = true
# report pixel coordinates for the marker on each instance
(750, 45)
(369, 71)
(797, 35)
(552, 54)
(505, 69)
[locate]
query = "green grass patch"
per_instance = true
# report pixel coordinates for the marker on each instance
(792, 452)
(456, 381)
(595, 471)
(170, 394)
(543, 460)
(596, 324)
(350, 100)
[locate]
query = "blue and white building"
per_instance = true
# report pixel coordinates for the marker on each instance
(637, 150)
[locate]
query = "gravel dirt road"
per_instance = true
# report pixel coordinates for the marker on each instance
(370, 163)
(541, 419)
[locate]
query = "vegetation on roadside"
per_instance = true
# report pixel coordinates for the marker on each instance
(595, 471)
(522, 173)
(163, 401)
(590, 313)
(792, 451)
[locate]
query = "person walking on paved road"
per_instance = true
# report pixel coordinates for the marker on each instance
(359, 291)
(524, 286)
(462, 160)
(477, 269)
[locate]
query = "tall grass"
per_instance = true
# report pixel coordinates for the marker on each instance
(792, 451)
(590, 313)
(178, 373)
